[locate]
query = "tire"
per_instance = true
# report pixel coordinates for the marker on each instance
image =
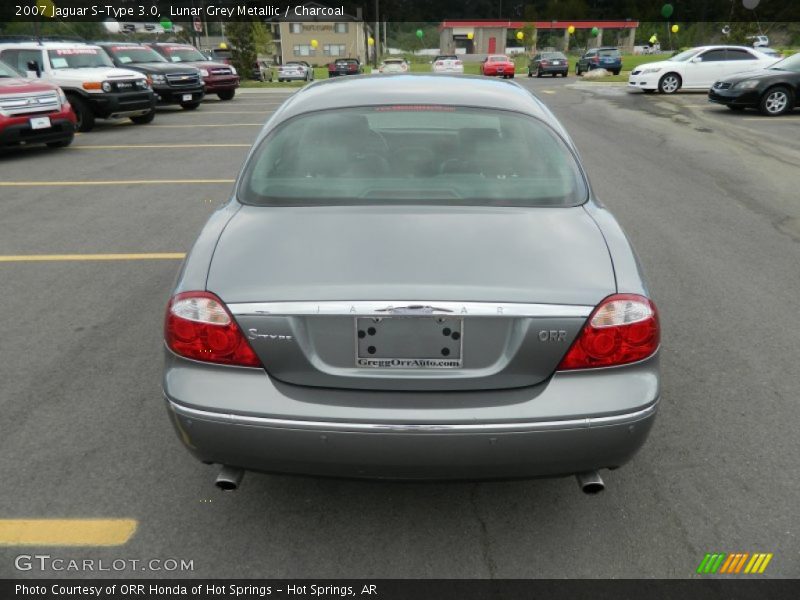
(565, 74)
(512, 75)
(669, 83)
(144, 119)
(226, 94)
(578, 71)
(83, 112)
(189, 105)
(529, 73)
(615, 72)
(539, 73)
(776, 101)
(61, 143)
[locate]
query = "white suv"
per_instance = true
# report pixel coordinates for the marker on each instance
(94, 87)
(759, 41)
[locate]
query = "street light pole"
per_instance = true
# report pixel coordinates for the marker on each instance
(376, 37)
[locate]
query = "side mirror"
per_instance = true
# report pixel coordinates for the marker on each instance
(33, 67)
(697, 59)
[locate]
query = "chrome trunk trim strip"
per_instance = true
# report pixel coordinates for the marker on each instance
(384, 308)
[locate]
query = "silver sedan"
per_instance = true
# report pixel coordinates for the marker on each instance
(412, 280)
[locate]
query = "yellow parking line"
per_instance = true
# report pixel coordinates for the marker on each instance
(129, 146)
(207, 125)
(88, 257)
(110, 182)
(232, 112)
(783, 120)
(66, 532)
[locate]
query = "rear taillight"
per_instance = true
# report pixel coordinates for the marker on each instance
(545, 63)
(458, 63)
(595, 59)
(439, 63)
(622, 329)
(198, 326)
(331, 67)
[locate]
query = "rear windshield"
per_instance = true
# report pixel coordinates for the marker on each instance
(555, 55)
(78, 58)
(498, 59)
(447, 57)
(347, 62)
(412, 154)
(612, 52)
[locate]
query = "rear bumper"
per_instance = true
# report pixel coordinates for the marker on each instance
(574, 422)
(538, 449)
(551, 69)
(18, 130)
(291, 76)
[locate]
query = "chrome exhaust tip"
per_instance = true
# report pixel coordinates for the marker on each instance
(590, 482)
(229, 478)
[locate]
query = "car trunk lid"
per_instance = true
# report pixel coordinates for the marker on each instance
(411, 297)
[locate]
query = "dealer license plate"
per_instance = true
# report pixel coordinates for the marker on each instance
(40, 122)
(409, 342)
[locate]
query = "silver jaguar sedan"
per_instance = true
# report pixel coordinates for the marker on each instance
(412, 280)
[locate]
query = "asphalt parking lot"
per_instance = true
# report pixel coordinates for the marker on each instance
(710, 199)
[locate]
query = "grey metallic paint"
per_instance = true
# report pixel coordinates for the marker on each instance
(254, 418)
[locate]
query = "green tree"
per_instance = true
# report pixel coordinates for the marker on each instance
(262, 39)
(243, 49)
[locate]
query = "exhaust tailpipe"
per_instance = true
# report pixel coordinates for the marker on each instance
(229, 478)
(590, 482)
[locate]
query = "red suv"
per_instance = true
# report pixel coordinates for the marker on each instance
(220, 79)
(33, 112)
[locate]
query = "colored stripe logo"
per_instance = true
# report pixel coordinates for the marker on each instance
(735, 563)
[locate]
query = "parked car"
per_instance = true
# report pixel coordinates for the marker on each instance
(697, 68)
(758, 41)
(533, 353)
(95, 88)
(608, 58)
(219, 78)
(498, 65)
(296, 70)
(774, 90)
(550, 63)
(345, 66)
(262, 70)
(33, 111)
(447, 63)
(393, 65)
(172, 83)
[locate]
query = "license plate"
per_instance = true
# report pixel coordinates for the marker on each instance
(413, 342)
(40, 122)
(187, 97)
(555, 62)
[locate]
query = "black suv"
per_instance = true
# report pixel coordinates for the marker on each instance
(173, 84)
